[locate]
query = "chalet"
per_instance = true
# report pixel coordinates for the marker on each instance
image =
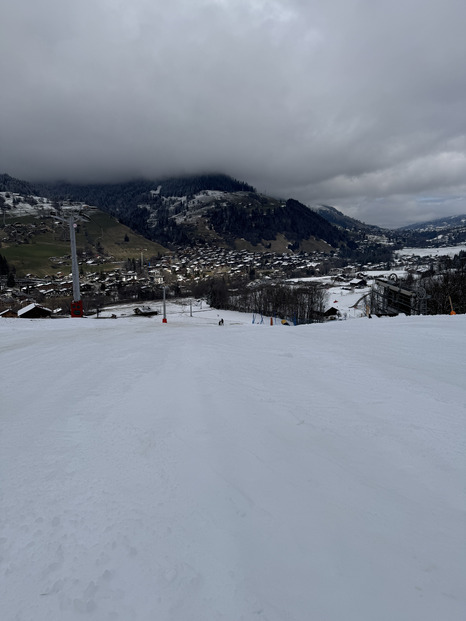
(332, 313)
(34, 311)
(8, 313)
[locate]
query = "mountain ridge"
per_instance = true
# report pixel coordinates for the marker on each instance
(437, 223)
(336, 217)
(210, 208)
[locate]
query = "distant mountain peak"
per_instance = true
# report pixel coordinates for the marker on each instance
(336, 217)
(437, 224)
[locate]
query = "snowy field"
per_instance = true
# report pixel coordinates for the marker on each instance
(192, 472)
(449, 251)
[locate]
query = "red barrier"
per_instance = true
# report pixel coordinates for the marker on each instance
(77, 308)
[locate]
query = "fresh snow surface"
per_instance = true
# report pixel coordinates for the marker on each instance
(191, 472)
(449, 251)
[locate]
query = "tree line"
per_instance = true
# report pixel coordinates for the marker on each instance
(8, 271)
(442, 288)
(299, 304)
(446, 287)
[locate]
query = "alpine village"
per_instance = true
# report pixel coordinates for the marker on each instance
(81, 249)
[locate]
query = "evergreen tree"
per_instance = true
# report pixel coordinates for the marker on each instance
(4, 267)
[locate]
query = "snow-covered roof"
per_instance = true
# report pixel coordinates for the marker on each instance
(7, 311)
(30, 307)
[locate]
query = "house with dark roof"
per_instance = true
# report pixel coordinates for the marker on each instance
(8, 313)
(34, 311)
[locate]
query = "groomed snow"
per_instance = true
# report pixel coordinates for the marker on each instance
(193, 472)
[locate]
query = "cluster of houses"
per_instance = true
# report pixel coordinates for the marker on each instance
(143, 280)
(180, 271)
(204, 261)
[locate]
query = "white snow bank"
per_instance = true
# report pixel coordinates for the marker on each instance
(194, 472)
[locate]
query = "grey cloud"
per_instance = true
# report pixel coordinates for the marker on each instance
(354, 103)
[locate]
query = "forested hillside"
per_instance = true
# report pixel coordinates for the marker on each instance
(10, 184)
(224, 210)
(294, 220)
(118, 197)
(203, 209)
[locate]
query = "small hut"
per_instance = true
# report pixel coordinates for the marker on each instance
(332, 313)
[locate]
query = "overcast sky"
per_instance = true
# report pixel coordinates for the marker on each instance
(360, 104)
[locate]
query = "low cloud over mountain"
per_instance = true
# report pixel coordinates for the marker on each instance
(355, 104)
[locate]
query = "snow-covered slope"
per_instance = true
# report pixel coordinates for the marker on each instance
(194, 472)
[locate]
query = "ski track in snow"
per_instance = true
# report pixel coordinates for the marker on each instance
(187, 471)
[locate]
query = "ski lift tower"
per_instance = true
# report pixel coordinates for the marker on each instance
(71, 220)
